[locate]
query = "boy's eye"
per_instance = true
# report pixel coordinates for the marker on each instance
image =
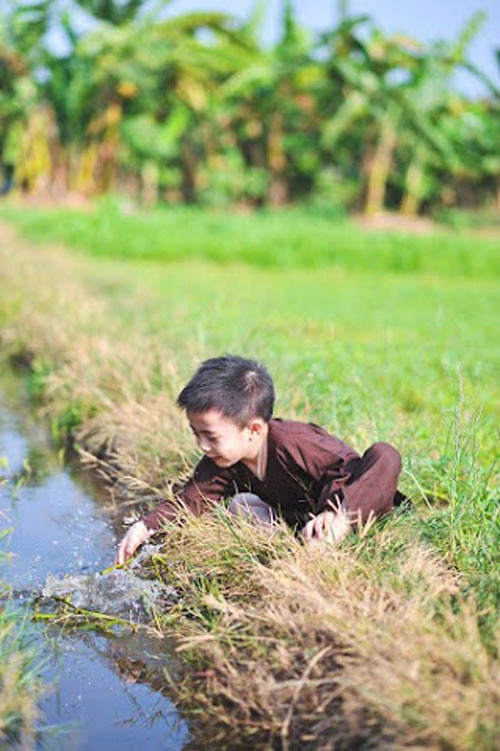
(208, 436)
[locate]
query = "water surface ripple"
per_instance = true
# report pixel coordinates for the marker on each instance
(105, 691)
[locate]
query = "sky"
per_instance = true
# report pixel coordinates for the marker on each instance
(426, 20)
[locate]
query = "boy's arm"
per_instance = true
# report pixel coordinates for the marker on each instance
(208, 483)
(326, 460)
(321, 458)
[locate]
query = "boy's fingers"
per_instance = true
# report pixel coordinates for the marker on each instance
(319, 523)
(120, 555)
(137, 534)
(125, 550)
(327, 525)
(315, 527)
(323, 524)
(307, 530)
(330, 526)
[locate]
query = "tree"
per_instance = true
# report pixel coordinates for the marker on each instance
(270, 107)
(24, 121)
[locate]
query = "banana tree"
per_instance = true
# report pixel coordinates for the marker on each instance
(474, 129)
(129, 94)
(436, 109)
(159, 78)
(114, 12)
(270, 107)
(25, 123)
(393, 90)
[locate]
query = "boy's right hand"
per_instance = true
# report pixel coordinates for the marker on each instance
(136, 535)
(328, 525)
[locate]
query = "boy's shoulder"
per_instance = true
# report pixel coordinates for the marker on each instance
(293, 436)
(293, 430)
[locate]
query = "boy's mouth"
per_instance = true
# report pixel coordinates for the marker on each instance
(219, 460)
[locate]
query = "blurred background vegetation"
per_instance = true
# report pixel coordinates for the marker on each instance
(195, 108)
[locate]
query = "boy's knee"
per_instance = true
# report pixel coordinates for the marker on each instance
(387, 455)
(244, 503)
(251, 506)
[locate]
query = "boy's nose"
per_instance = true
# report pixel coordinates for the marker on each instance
(203, 445)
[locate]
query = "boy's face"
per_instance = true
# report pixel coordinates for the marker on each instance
(221, 439)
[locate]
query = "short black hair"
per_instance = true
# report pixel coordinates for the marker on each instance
(238, 388)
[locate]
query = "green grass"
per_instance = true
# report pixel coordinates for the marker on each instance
(357, 352)
(20, 684)
(370, 353)
(292, 238)
(20, 670)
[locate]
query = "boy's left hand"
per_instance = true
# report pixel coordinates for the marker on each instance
(331, 526)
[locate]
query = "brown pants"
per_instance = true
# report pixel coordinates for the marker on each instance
(371, 489)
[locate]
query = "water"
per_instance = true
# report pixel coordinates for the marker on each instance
(105, 691)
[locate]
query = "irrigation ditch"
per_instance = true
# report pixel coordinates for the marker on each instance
(105, 667)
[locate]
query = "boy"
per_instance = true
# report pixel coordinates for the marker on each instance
(270, 467)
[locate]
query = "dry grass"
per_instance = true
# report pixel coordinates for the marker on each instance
(365, 646)
(326, 645)
(20, 685)
(113, 397)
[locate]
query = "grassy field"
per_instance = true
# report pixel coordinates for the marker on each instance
(391, 641)
(292, 238)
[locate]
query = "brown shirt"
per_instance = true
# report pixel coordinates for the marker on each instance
(306, 466)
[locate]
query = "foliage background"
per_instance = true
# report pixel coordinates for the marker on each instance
(195, 107)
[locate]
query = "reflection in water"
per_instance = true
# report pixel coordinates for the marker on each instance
(106, 691)
(111, 695)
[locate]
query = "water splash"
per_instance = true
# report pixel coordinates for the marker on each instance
(120, 592)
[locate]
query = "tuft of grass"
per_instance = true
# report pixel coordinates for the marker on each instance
(20, 672)
(20, 679)
(465, 529)
(290, 238)
(363, 645)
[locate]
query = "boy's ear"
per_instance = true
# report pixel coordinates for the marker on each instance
(256, 425)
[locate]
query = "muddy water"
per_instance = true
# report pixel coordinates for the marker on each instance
(105, 691)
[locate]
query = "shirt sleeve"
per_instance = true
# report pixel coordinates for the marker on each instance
(208, 483)
(323, 458)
